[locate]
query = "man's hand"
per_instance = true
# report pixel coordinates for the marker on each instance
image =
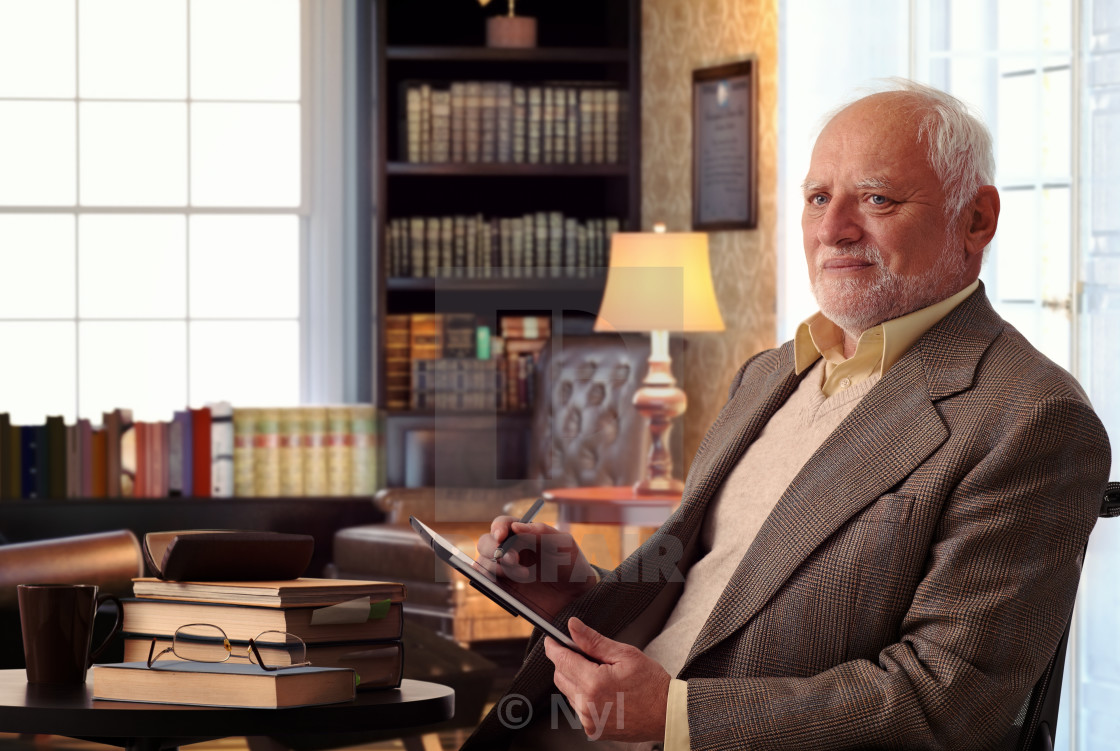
(624, 698)
(544, 565)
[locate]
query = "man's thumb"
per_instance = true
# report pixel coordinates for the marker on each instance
(592, 642)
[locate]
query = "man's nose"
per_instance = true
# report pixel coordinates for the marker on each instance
(840, 224)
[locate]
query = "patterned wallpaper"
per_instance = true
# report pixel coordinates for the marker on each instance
(677, 37)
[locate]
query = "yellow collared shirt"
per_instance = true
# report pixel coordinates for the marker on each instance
(877, 350)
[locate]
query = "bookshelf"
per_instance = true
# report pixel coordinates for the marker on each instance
(585, 49)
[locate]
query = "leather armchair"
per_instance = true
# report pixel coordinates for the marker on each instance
(584, 431)
(108, 559)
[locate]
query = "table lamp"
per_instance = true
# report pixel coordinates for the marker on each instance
(659, 282)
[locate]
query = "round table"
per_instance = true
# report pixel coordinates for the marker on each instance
(28, 708)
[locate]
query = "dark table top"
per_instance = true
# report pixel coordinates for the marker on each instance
(27, 708)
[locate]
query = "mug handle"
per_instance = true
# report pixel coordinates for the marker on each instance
(116, 625)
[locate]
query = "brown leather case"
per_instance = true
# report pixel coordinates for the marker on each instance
(227, 555)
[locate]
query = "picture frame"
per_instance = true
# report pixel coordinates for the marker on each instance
(725, 147)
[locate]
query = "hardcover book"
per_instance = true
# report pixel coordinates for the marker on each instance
(225, 684)
(302, 592)
(380, 620)
(377, 664)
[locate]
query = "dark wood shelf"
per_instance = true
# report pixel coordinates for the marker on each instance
(506, 169)
(592, 283)
(533, 55)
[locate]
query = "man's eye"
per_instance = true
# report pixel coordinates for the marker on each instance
(818, 199)
(878, 200)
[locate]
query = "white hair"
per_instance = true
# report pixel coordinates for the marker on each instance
(959, 143)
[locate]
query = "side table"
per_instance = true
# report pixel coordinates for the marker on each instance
(28, 708)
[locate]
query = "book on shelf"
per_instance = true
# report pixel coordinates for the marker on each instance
(534, 245)
(201, 429)
(377, 664)
(224, 684)
(525, 326)
(312, 624)
(425, 336)
(457, 384)
(221, 449)
(441, 125)
(398, 373)
(298, 592)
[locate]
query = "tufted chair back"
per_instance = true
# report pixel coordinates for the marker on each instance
(585, 430)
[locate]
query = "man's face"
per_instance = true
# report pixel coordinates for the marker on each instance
(877, 241)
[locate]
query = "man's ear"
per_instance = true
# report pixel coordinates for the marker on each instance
(980, 219)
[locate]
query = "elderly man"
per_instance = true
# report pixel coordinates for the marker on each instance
(881, 535)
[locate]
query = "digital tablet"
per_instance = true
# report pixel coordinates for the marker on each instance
(492, 586)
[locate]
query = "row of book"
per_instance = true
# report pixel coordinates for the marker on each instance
(536, 245)
(448, 361)
(514, 122)
(213, 451)
(351, 630)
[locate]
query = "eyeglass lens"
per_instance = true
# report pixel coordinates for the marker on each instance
(201, 642)
(279, 649)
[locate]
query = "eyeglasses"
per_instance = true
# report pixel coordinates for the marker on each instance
(203, 642)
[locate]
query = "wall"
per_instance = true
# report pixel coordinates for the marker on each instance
(679, 36)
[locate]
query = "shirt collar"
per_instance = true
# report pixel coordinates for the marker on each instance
(818, 337)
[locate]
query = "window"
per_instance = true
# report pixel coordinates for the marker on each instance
(153, 204)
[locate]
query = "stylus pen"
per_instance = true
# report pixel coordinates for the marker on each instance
(528, 517)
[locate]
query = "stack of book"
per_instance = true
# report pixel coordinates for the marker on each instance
(542, 244)
(350, 625)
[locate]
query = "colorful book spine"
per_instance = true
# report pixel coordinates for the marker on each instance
(221, 449)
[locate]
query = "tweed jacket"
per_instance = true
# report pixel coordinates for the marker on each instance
(912, 582)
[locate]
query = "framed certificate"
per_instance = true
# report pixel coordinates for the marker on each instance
(725, 147)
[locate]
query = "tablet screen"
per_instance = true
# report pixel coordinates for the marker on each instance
(494, 587)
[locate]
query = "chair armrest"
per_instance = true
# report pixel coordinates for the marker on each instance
(108, 559)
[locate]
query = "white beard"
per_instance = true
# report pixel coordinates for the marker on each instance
(856, 305)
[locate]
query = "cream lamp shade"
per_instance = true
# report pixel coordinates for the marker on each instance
(659, 281)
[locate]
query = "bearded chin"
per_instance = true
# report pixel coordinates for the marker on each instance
(856, 305)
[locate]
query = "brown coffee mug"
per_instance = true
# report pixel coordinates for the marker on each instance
(57, 622)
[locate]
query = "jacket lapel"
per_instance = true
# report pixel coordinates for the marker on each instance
(889, 433)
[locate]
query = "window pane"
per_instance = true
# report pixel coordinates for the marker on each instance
(141, 364)
(1016, 253)
(247, 363)
(244, 267)
(1018, 25)
(133, 154)
(133, 49)
(37, 153)
(132, 266)
(1057, 24)
(245, 154)
(1017, 137)
(42, 385)
(1056, 124)
(37, 256)
(36, 48)
(245, 49)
